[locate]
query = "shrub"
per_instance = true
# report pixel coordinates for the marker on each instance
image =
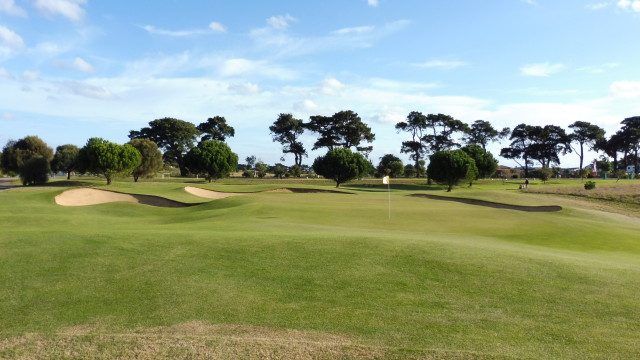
(590, 185)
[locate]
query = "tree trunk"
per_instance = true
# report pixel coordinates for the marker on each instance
(450, 187)
(581, 155)
(68, 175)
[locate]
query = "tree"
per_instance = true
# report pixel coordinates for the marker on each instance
(261, 169)
(16, 155)
(344, 129)
(151, 161)
(108, 159)
(342, 165)
(450, 166)
(212, 158)
(65, 159)
(216, 128)
(175, 136)
(35, 171)
(549, 142)
(522, 138)
(485, 162)
(631, 134)
(482, 133)
(442, 128)
(287, 131)
(410, 171)
(251, 161)
(390, 165)
(585, 133)
(279, 171)
(415, 125)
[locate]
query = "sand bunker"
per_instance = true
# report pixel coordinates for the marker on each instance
(494, 205)
(210, 194)
(89, 196)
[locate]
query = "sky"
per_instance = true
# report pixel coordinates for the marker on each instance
(75, 69)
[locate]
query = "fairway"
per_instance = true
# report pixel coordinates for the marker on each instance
(309, 273)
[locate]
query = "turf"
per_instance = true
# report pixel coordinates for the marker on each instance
(291, 275)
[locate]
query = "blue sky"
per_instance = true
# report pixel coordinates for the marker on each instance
(75, 69)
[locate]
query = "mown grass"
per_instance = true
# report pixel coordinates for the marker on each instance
(436, 280)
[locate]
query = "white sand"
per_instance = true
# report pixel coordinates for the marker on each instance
(209, 194)
(87, 196)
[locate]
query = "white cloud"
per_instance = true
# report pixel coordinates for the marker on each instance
(443, 64)
(83, 65)
(306, 106)
(331, 87)
(625, 89)
(217, 27)
(373, 3)
(87, 90)
(173, 33)
(598, 6)
(598, 69)
(543, 69)
(633, 5)
(71, 9)
(5, 74)
(246, 88)
(8, 116)
(9, 38)
(243, 67)
(30, 75)
(281, 22)
(10, 7)
(353, 30)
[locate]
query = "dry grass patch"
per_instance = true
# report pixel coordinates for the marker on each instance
(195, 340)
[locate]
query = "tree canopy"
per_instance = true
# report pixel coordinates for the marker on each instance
(287, 131)
(450, 166)
(17, 155)
(212, 158)
(175, 136)
(390, 165)
(415, 125)
(342, 165)
(65, 159)
(108, 159)
(151, 158)
(343, 129)
(585, 133)
(485, 162)
(216, 128)
(522, 138)
(481, 132)
(441, 130)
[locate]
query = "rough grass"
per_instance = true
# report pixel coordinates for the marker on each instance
(314, 276)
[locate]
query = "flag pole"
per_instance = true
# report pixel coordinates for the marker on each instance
(385, 180)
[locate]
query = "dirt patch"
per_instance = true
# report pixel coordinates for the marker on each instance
(89, 196)
(210, 194)
(495, 205)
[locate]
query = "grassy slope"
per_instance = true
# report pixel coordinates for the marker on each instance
(439, 278)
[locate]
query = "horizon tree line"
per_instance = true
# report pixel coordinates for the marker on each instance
(429, 134)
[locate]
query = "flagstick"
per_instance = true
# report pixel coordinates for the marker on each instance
(389, 188)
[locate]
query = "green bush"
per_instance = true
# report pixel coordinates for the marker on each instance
(35, 171)
(589, 185)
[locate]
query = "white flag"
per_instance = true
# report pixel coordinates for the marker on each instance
(385, 180)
